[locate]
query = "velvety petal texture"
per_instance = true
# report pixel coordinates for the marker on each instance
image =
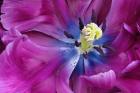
(26, 65)
(41, 46)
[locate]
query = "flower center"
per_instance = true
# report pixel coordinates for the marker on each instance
(89, 33)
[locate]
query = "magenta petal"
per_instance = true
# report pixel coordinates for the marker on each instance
(62, 11)
(10, 36)
(132, 70)
(75, 83)
(46, 40)
(134, 52)
(79, 7)
(127, 39)
(13, 85)
(26, 51)
(44, 35)
(10, 81)
(51, 30)
(30, 24)
(98, 83)
(102, 80)
(104, 10)
(2, 46)
(46, 86)
(23, 15)
(129, 29)
(17, 11)
(118, 62)
(100, 8)
(64, 73)
(128, 86)
(31, 63)
(42, 52)
(119, 13)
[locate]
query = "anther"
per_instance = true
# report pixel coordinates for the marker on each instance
(68, 35)
(77, 43)
(81, 25)
(99, 49)
(85, 55)
(104, 25)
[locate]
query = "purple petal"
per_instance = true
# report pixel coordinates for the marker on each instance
(31, 63)
(132, 70)
(123, 41)
(119, 13)
(64, 73)
(98, 83)
(128, 86)
(105, 80)
(118, 62)
(46, 86)
(101, 9)
(17, 11)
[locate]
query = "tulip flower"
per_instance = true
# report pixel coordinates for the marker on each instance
(70, 46)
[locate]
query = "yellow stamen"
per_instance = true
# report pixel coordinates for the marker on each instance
(90, 32)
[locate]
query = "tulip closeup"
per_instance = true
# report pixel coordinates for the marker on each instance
(70, 46)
